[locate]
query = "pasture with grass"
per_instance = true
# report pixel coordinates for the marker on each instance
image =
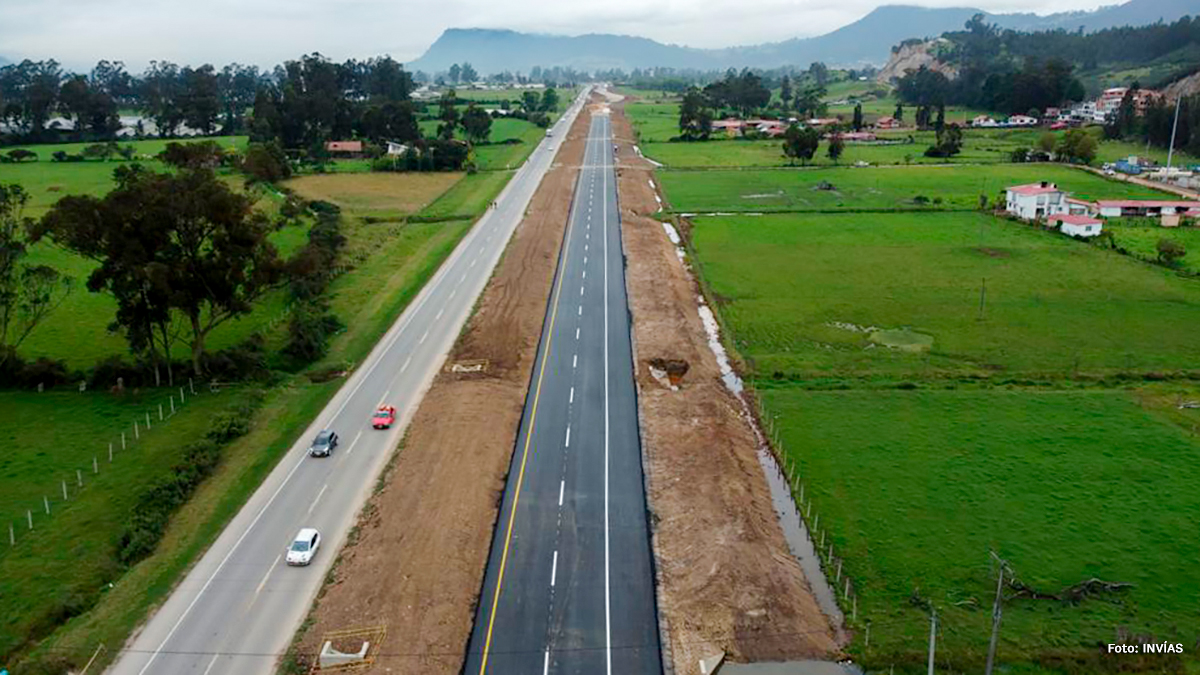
(949, 384)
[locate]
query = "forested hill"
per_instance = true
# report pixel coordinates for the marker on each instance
(865, 41)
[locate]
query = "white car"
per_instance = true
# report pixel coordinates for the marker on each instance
(304, 547)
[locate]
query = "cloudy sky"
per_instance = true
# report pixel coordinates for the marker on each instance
(265, 32)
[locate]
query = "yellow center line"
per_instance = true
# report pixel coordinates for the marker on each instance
(487, 643)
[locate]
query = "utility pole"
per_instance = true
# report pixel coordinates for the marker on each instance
(932, 638)
(997, 608)
(1174, 127)
(982, 297)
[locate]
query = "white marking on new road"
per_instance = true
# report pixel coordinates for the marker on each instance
(568, 441)
(576, 333)
(554, 569)
(313, 505)
(581, 310)
(581, 290)
(546, 666)
(452, 294)
(562, 486)
(585, 274)
(423, 338)
(439, 314)
(384, 399)
(212, 663)
(575, 361)
(473, 262)
(406, 362)
(267, 575)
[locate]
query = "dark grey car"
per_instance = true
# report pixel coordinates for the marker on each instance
(323, 444)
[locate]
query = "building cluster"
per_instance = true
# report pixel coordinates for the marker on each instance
(1101, 110)
(1046, 202)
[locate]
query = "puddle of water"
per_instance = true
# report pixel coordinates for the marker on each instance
(794, 529)
(903, 339)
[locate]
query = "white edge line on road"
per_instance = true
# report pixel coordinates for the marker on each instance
(179, 621)
(267, 575)
(607, 604)
(554, 570)
(320, 494)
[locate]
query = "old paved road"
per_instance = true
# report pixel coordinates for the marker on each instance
(238, 608)
(569, 585)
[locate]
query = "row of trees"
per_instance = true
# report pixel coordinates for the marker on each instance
(747, 93)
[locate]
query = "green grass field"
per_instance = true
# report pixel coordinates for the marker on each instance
(916, 488)
(784, 281)
(1142, 240)
(875, 187)
(50, 436)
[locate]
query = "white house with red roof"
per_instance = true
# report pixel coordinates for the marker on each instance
(1076, 225)
(1035, 200)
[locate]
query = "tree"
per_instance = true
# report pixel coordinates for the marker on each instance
(28, 293)
(800, 143)
(159, 94)
(467, 73)
(858, 117)
(1076, 145)
(810, 102)
(21, 154)
(949, 142)
(170, 242)
(476, 123)
(898, 115)
(819, 72)
(549, 100)
(530, 102)
(1170, 251)
(266, 162)
(199, 98)
(785, 91)
(448, 114)
(1047, 141)
(201, 155)
(940, 123)
(455, 73)
(836, 147)
(695, 119)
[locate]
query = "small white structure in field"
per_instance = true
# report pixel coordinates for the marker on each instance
(1022, 121)
(1077, 225)
(1035, 200)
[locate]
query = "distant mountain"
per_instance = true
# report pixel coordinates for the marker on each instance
(866, 41)
(4, 61)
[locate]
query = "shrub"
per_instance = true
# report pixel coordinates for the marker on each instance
(310, 328)
(244, 361)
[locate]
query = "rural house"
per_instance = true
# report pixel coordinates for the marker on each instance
(887, 123)
(1022, 121)
(1076, 225)
(1035, 200)
(345, 148)
(1134, 208)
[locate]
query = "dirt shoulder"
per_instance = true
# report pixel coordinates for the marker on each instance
(727, 581)
(415, 562)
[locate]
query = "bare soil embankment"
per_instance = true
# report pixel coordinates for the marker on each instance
(416, 561)
(727, 581)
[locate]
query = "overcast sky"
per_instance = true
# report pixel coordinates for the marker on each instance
(266, 32)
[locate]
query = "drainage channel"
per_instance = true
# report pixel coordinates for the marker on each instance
(794, 529)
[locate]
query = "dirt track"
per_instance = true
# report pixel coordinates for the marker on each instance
(416, 561)
(726, 579)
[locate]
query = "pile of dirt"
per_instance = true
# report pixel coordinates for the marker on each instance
(416, 560)
(727, 581)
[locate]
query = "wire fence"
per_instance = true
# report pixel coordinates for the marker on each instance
(26, 519)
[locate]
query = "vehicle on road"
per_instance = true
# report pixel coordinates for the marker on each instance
(323, 444)
(304, 547)
(384, 418)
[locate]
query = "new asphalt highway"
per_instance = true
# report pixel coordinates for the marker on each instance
(569, 586)
(237, 609)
